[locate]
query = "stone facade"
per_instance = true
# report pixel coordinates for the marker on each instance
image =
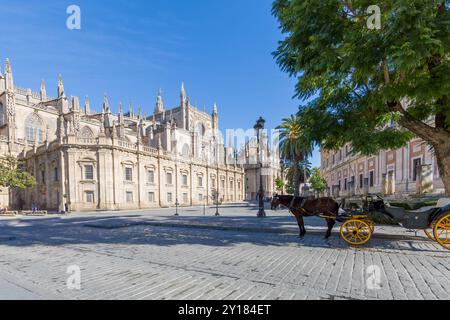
(85, 160)
(408, 170)
(270, 169)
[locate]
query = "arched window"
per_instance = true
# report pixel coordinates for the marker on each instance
(2, 115)
(34, 129)
(86, 132)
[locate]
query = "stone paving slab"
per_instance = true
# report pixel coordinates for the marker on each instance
(12, 288)
(172, 262)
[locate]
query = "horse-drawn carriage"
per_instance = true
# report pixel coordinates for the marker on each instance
(358, 225)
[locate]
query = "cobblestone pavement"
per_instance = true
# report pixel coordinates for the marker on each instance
(122, 259)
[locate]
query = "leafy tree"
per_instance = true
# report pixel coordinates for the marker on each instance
(279, 184)
(294, 147)
(317, 181)
(289, 189)
(12, 174)
(374, 88)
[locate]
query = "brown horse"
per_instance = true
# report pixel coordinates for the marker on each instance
(304, 207)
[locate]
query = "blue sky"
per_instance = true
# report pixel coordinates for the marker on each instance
(130, 49)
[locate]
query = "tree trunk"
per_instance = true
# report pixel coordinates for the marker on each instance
(296, 178)
(442, 152)
(436, 136)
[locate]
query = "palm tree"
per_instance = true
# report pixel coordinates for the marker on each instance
(305, 168)
(294, 147)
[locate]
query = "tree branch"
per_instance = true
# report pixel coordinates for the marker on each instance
(419, 128)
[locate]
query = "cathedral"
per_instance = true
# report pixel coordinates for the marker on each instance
(84, 160)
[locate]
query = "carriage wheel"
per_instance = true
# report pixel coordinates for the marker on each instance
(371, 224)
(430, 233)
(442, 231)
(356, 232)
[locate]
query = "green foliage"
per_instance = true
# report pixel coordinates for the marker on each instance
(279, 183)
(295, 147)
(305, 170)
(12, 174)
(318, 183)
(289, 189)
(293, 144)
(374, 88)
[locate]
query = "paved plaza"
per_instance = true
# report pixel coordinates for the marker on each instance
(154, 255)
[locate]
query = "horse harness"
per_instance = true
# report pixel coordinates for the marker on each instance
(291, 205)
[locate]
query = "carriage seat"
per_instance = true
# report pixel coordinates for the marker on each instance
(428, 209)
(399, 213)
(443, 202)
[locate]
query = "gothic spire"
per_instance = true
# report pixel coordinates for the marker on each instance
(61, 92)
(9, 76)
(43, 91)
(8, 66)
(159, 108)
(120, 114)
(183, 94)
(87, 106)
(102, 125)
(105, 104)
(215, 117)
(139, 111)
(75, 104)
(130, 110)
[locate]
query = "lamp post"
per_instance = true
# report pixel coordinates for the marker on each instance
(217, 207)
(174, 146)
(259, 127)
(216, 198)
(176, 207)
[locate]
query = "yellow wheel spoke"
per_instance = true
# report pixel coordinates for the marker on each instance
(356, 232)
(441, 231)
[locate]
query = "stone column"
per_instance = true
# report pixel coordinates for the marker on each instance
(426, 179)
(160, 181)
(62, 182)
(115, 177)
(139, 189)
(191, 187)
(207, 185)
(72, 197)
(105, 180)
(48, 182)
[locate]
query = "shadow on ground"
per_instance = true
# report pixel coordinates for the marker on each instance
(169, 231)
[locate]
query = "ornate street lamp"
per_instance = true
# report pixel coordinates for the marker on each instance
(259, 127)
